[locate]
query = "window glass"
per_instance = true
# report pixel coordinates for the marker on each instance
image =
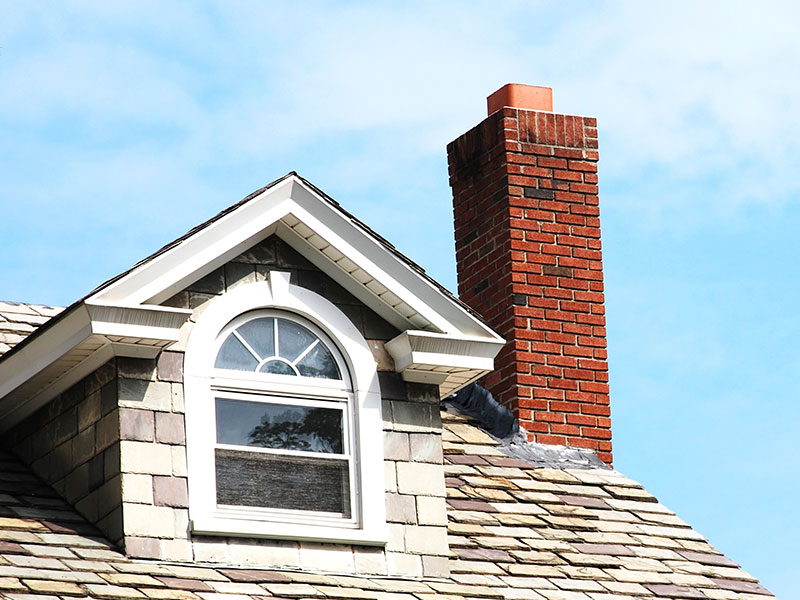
(233, 355)
(279, 426)
(279, 346)
(284, 482)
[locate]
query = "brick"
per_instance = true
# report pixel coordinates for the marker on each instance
(145, 457)
(426, 447)
(531, 209)
(169, 428)
(426, 540)
(401, 508)
(143, 394)
(170, 491)
(431, 510)
(420, 478)
(327, 557)
(143, 520)
(396, 446)
(135, 424)
(169, 367)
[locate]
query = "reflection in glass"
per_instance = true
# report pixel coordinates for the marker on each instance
(276, 345)
(319, 484)
(233, 355)
(279, 426)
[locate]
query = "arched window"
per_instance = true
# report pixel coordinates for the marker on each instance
(283, 419)
(279, 444)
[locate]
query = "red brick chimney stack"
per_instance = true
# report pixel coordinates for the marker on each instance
(528, 256)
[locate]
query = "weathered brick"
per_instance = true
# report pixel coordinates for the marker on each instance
(170, 428)
(420, 479)
(170, 367)
(136, 424)
(524, 239)
(170, 491)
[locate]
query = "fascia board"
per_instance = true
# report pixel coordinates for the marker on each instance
(340, 276)
(366, 264)
(152, 324)
(429, 301)
(63, 383)
(201, 253)
(146, 322)
(63, 336)
(222, 240)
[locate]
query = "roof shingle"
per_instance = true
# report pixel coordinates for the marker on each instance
(516, 531)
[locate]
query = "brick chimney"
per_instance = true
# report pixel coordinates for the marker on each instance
(528, 254)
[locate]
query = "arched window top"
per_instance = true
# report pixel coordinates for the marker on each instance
(283, 418)
(279, 345)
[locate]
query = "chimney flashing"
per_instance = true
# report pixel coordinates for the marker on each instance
(520, 96)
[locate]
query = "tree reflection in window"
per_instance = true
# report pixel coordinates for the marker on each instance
(279, 346)
(279, 426)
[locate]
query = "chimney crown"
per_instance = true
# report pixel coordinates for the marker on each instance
(517, 95)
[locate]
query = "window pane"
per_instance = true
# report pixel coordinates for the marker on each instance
(233, 355)
(260, 334)
(287, 482)
(279, 367)
(319, 363)
(293, 339)
(279, 426)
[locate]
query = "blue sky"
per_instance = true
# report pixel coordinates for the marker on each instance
(125, 124)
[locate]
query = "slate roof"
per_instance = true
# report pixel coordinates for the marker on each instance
(18, 321)
(516, 531)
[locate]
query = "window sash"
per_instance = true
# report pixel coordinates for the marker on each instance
(342, 403)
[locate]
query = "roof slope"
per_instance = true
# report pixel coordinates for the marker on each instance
(18, 321)
(516, 531)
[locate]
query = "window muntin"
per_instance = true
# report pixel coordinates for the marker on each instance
(281, 447)
(279, 346)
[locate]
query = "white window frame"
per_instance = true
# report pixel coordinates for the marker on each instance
(203, 383)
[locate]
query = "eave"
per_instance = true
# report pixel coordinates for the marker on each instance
(449, 361)
(80, 341)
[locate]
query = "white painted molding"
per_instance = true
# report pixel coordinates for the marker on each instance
(77, 344)
(426, 357)
(369, 524)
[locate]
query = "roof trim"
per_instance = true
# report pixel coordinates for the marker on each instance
(87, 336)
(122, 315)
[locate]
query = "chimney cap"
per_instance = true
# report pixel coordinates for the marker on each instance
(518, 95)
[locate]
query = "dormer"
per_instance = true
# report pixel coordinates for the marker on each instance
(263, 391)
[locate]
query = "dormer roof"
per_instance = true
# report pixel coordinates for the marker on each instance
(442, 341)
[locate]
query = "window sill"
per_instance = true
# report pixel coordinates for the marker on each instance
(227, 526)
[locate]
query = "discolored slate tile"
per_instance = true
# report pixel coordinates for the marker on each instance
(719, 560)
(608, 549)
(493, 555)
(476, 505)
(251, 575)
(465, 459)
(585, 501)
(736, 585)
(180, 583)
(55, 587)
(668, 590)
(12, 548)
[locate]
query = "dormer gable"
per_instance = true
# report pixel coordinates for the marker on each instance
(266, 385)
